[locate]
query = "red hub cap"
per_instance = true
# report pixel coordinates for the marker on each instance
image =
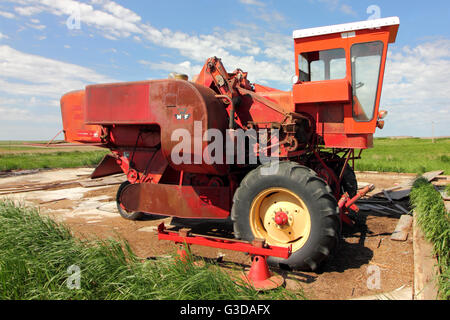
(281, 218)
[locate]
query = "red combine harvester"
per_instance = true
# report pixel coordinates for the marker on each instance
(160, 133)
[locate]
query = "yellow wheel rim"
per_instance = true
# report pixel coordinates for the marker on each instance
(295, 229)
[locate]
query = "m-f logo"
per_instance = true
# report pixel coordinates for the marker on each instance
(182, 115)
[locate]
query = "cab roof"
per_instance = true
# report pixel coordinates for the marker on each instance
(392, 22)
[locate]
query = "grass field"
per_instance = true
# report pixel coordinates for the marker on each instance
(18, 155)
(36, 254)
(411, 155)
(60, 159)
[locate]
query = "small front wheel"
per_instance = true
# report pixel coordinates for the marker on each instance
(129, 215)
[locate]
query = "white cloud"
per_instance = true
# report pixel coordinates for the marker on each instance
(119, 11)
(28, 11)
(416, 87)
(115, 22)
(116, 26)
(334, 5)
(3, 36)
(252, 2)
(36, 26)
(185, 67)
(7, 15)
(345, 8)
(25, 115)
(20, 70)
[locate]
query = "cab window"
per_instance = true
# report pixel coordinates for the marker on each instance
(366, 64)
(322, 65)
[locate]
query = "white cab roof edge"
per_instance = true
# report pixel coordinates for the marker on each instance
(367, 24)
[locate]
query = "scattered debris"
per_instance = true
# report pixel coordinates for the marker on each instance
(52, 200)
(376, 208)
(149, 229)
(386, 194)
(402, 229)
(430, 176)
(379, 242)
(220, 257)
(33, 187)
(400, 194)
(402, 293)
(107, 181)
(362, 184)
(17, 173)
(86, 183)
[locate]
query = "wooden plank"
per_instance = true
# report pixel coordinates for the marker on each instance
(103, 182)
(402, 229)
(447, 205)
(425, 288)
(37, 187)
(50, 201)
(432, 174)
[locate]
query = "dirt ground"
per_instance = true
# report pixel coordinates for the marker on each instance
(365, 250)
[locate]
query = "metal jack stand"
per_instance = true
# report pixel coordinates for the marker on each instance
(259, 276)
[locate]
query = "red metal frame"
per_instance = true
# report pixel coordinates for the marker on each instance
(222, 243)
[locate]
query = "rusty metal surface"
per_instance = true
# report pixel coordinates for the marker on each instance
(108, 166)
(164, 105)
(178, 201)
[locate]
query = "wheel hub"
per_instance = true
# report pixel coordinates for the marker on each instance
(281, 218)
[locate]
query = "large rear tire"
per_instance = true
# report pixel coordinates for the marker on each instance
(349, 183)
(306, 202)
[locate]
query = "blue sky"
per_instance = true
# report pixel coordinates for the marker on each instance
(41, 58)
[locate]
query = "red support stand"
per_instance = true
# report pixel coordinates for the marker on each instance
(259, 277)
(183, 256)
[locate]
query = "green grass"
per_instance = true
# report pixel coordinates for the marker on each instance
(64, 159)
(4, 143)
(411, 155)
(18, 148)
(434, 221)
(36, 252)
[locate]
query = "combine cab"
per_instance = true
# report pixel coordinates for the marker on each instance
(278, 163)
